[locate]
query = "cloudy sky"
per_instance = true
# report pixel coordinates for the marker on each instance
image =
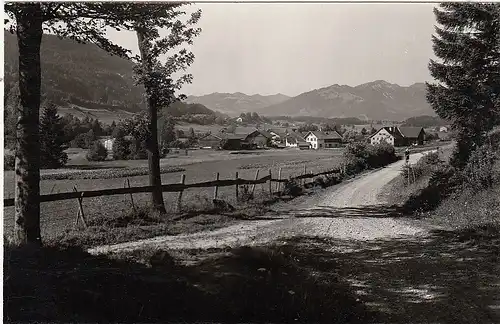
(270, 48)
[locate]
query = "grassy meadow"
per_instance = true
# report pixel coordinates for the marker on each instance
(198, 166)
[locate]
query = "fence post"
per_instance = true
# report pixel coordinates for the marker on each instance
(304, 179)
(270, 183)
(179, 199)
(216, 188)
(256, 177)
(236, 186)
(127, 184)
(278, 186)
(80, 213)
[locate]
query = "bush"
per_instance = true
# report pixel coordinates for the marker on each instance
(445, 180)
(292, 188)
(425, 166)
(360, 156)
(97, 152)
(478, 172)
(9, 162)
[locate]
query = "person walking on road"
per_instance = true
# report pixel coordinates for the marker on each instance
(407, 155)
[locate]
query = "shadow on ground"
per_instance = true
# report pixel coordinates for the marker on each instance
(375, 211)
(234, 285)
(447, 277)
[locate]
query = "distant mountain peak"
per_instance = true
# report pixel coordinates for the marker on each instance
(377, 100)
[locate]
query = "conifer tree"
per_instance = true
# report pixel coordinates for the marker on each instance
(52, 139)
(468, 71)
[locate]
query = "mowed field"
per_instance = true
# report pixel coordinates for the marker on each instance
(199, 165)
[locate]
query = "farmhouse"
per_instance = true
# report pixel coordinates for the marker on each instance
(259, 138)
(443, 129)
(294, 139)
(399, 136)
(319, 140)
(109, 141)
(209, 141)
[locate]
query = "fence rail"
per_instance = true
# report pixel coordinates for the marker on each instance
(174, 187)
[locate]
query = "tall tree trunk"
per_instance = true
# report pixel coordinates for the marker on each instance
(152, 142)
(27, 198)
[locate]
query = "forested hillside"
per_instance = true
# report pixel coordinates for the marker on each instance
(80, 74)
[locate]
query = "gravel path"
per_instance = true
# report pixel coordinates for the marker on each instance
(349, 211)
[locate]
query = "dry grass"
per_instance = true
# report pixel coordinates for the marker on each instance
(199, 166)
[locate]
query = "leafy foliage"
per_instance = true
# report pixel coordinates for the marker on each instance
(97, 152)
(9, 162)
(360, 156)
(121, 146)
(52, 140)
(468, 45)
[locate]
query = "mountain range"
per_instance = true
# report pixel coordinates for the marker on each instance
(377, 100)
(86, 78)
(237, 103)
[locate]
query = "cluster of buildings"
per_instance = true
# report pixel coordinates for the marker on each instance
(252, 138)
(257, 138)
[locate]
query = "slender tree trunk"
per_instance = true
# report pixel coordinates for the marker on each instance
(27, 187)
(152, 142)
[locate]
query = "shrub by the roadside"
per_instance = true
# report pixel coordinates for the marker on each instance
(424, 167)
(469, 208)
(292, 188)
(9, 162)
(444, 181)
(97, 152)
(360, 156)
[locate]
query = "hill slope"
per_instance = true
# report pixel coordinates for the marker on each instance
(236, 103)
(79, 74)
(85, 80)
(378, 100)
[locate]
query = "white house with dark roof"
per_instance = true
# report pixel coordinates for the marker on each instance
(399, 136)
(320, 140)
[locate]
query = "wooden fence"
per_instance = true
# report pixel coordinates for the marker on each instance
(175, 187)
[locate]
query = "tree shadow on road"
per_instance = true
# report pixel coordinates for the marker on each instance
(375, 211)
(447, 277)
(256, 284)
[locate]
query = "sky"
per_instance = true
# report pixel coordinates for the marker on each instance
(290, 48)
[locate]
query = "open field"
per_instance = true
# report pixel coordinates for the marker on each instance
(199, 165)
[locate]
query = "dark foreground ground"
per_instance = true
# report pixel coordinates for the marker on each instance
(447, 277)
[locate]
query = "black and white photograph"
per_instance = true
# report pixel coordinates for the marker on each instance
(251, 162)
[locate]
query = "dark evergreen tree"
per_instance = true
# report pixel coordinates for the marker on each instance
(121, 146)
(52, 139)
(97, 152)
(97, 128)
(468, 47)
(89, 138)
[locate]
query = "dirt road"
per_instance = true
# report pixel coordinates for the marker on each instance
(350, 211)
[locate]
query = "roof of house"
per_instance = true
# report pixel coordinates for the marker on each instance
(231, 136)
(208, 136)
(410, 132)
(295, 137)
(277, 132)
(326, 135)
(393, 130)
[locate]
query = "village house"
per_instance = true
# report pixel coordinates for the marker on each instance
(296, 140)
(399, 136)
(320, 140)
(209, 141)
(443, 129)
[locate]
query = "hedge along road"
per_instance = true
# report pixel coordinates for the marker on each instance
(349, 211)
